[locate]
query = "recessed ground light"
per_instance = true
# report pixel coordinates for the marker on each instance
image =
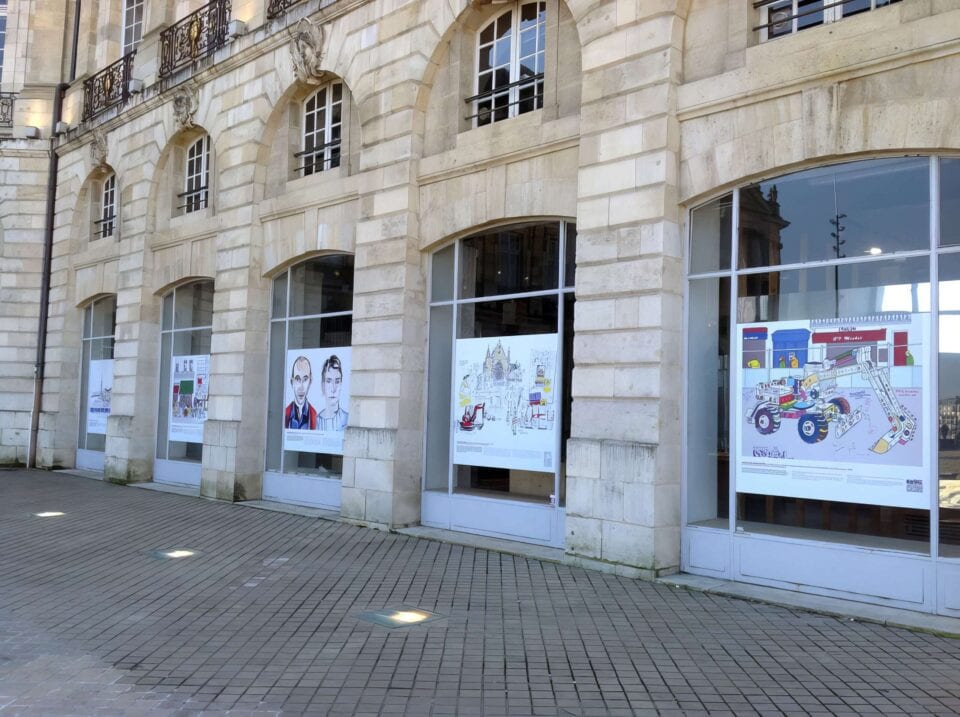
(874, 251)
(402, 616)
(172, 553)
(49, 514)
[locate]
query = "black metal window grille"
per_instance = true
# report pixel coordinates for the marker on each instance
(510, 62)
(132, 25)
(197, 179)
(278, 7)
(109, 87)
(322, 130)
(785, 17)
(6, 108)
(105, 225)
(197, 35)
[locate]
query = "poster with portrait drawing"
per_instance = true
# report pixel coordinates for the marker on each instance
(506, 407)
(316, 399)
(189, 393)
(99, 393)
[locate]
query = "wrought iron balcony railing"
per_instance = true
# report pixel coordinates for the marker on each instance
(6, 108)
(197, 35)
(109, 87)
(278, 7)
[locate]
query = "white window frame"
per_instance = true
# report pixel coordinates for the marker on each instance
(320, 149)
(132, 25)
(107, 223)
(196, 180)
(832, 11)
(489, 116)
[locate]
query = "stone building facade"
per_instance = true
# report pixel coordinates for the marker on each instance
(263, 180)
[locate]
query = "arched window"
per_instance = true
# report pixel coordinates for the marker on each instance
(197, 176)
(186, 332)
(309, 382)
(96, 380)
(322, 130)
(510, 64)
(500, 365)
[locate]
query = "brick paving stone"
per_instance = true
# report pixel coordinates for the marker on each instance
(263, 621)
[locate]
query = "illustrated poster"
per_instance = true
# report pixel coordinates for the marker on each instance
(99, 392)
(189, 393)
(834, 409)
(506, 410)
(316, 397)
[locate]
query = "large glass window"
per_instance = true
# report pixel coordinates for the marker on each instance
(3, 32)
(310, 359)
(808, 362)
(96, 372)
(510, 63)
(501, 340)
(186, 333)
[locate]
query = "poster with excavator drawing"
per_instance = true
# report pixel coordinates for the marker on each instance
(189, 393)
(99, 395)
(834, 409)
(506, 411)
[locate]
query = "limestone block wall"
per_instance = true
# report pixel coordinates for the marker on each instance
(23, 172)
(876, 82)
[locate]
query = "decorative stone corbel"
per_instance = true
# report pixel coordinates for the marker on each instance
(186, 100)
(98, 148)
(306, 50)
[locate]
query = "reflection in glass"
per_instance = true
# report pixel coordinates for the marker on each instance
(949, 405)
(849, 210)
(510, 261)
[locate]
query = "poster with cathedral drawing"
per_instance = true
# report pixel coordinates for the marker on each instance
(506, 411)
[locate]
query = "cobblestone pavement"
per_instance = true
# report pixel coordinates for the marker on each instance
(263, 620)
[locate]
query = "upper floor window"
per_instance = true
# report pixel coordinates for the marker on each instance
(106, 224)
(322, 130)
(510, 63)
(785, 17)
(197, 176)
(132, 24)
(3, 32)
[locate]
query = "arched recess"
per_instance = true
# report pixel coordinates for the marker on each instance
(308, 397)
(454, 67)
(501, 361)
(313, 135)
(98, 317)
(186, 335)
(96, 215)
(171, 197)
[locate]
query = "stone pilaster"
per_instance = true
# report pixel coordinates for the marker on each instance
(623, 473)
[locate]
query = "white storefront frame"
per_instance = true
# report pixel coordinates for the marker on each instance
(490, 515)
(314, 491)
(168, 470)
(834, 566)
(87, 458)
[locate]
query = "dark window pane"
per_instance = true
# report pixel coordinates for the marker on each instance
(949, 202)
(509, 261)
(512, 317)
(710, 228)
(322, 285)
